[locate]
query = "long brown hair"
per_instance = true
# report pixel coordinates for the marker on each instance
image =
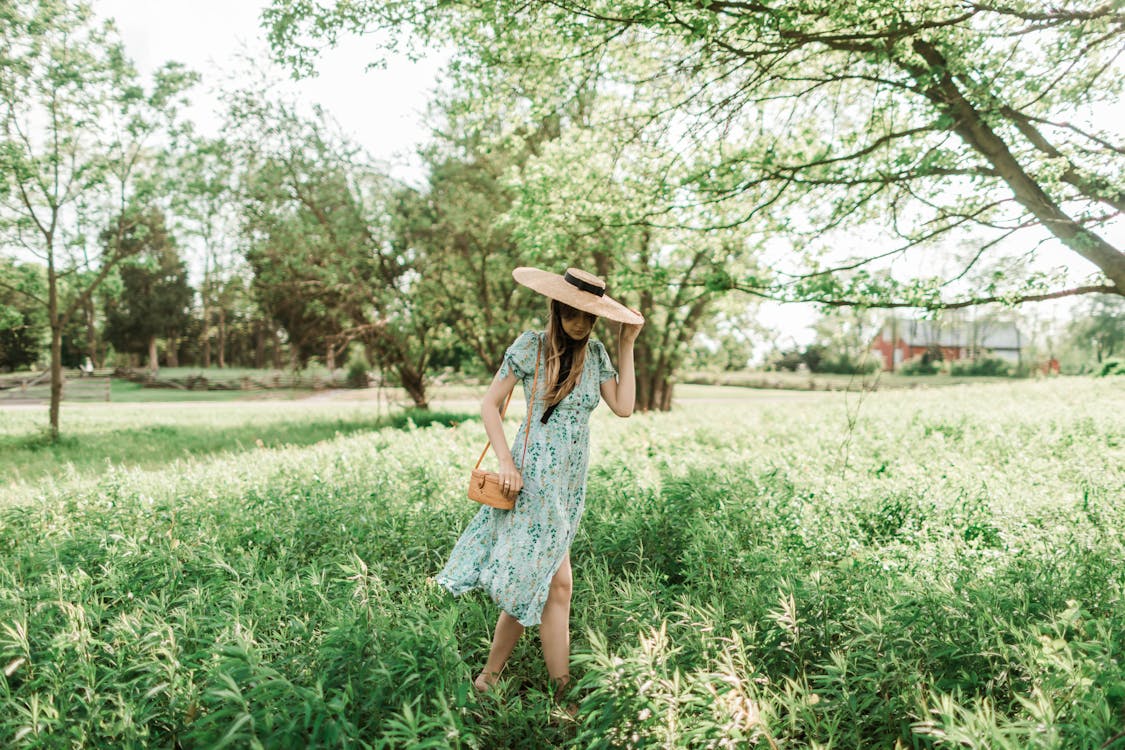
(557, 343)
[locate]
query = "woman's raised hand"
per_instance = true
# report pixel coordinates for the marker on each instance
(630, 331)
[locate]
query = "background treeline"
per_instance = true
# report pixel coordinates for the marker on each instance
(129, 238)
(282, 243)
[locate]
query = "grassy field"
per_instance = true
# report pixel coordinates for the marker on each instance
(808, 381)
(150, 435)
(917, 569)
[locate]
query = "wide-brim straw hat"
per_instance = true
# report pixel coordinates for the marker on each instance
(578, 289)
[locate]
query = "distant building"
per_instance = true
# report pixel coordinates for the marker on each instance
(901, 338)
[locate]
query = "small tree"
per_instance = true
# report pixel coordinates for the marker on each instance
(23, 320)
(155, 297)
(74, 127)
(205, 206)
(1100, 327)
(600, 216)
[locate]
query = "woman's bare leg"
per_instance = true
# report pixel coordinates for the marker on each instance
(508, 631)
(554, 630)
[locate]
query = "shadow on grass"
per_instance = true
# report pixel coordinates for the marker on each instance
(31, 457)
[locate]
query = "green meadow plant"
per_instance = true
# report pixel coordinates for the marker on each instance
(956, 581)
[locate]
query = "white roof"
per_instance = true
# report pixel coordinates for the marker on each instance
(985, 334)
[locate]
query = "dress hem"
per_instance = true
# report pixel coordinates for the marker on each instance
(448, 585)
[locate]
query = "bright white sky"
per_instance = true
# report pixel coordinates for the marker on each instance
(382, 109)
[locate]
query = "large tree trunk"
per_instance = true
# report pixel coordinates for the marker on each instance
(205, 336)
(153, 365)
(664, 388)
(977, 132)
(222, 337)
(56, 346)
(654, 382)
(91, 331)
(276, 350)
(415, 385)
(259, 344)
(654, 386)
(173, 353)
(642, 366)
(330, 357)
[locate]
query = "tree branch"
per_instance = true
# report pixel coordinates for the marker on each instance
(1105, 11)
(107, 266)
(24, 292)
(1095, 188)
(1075, 129)
(974, 130)
(938, 304)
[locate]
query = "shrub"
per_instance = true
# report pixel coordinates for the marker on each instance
(424, 418)
(843, 363)
(919, 365)
(986, 366)
(789, 361)
(820, 359)
(1112, 367)
(954, 580)
(358, 369)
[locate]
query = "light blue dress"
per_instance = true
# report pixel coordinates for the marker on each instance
(513, 554)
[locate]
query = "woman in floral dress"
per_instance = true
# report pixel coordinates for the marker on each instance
(521, 556)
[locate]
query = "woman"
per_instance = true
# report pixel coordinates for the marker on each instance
(521, 556)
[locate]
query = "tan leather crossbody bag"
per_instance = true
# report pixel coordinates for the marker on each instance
(484, 486)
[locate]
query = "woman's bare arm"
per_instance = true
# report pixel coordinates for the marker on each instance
(621, 395)
(490, 415)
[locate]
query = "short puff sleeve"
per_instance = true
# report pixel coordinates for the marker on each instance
(519, 359)
(606, 370)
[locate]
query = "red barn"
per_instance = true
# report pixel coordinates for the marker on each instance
(902, 338)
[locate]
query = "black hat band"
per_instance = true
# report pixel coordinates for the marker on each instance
(585, 286)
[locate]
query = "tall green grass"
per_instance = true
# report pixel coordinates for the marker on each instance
(947, 574)
(95, 436)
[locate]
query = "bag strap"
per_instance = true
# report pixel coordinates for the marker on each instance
(530, 408)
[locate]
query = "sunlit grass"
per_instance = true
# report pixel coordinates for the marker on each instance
(944, 573)
(96, 436)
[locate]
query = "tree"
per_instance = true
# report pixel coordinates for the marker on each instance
(729, 337)
(926, 120)
(312, 238)
(1100, 326)
(454, 232)
(155, 297)
(204, 202)
(19, 343)
(327, 266)
(842, 342)
(250, 338)
(75, 125)
(673, 273)
(23, 324)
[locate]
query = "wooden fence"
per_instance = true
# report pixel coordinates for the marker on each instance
(234, 380)
(95, 385)
(36, 388)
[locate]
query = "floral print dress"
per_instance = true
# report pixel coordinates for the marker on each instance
(514, 554)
